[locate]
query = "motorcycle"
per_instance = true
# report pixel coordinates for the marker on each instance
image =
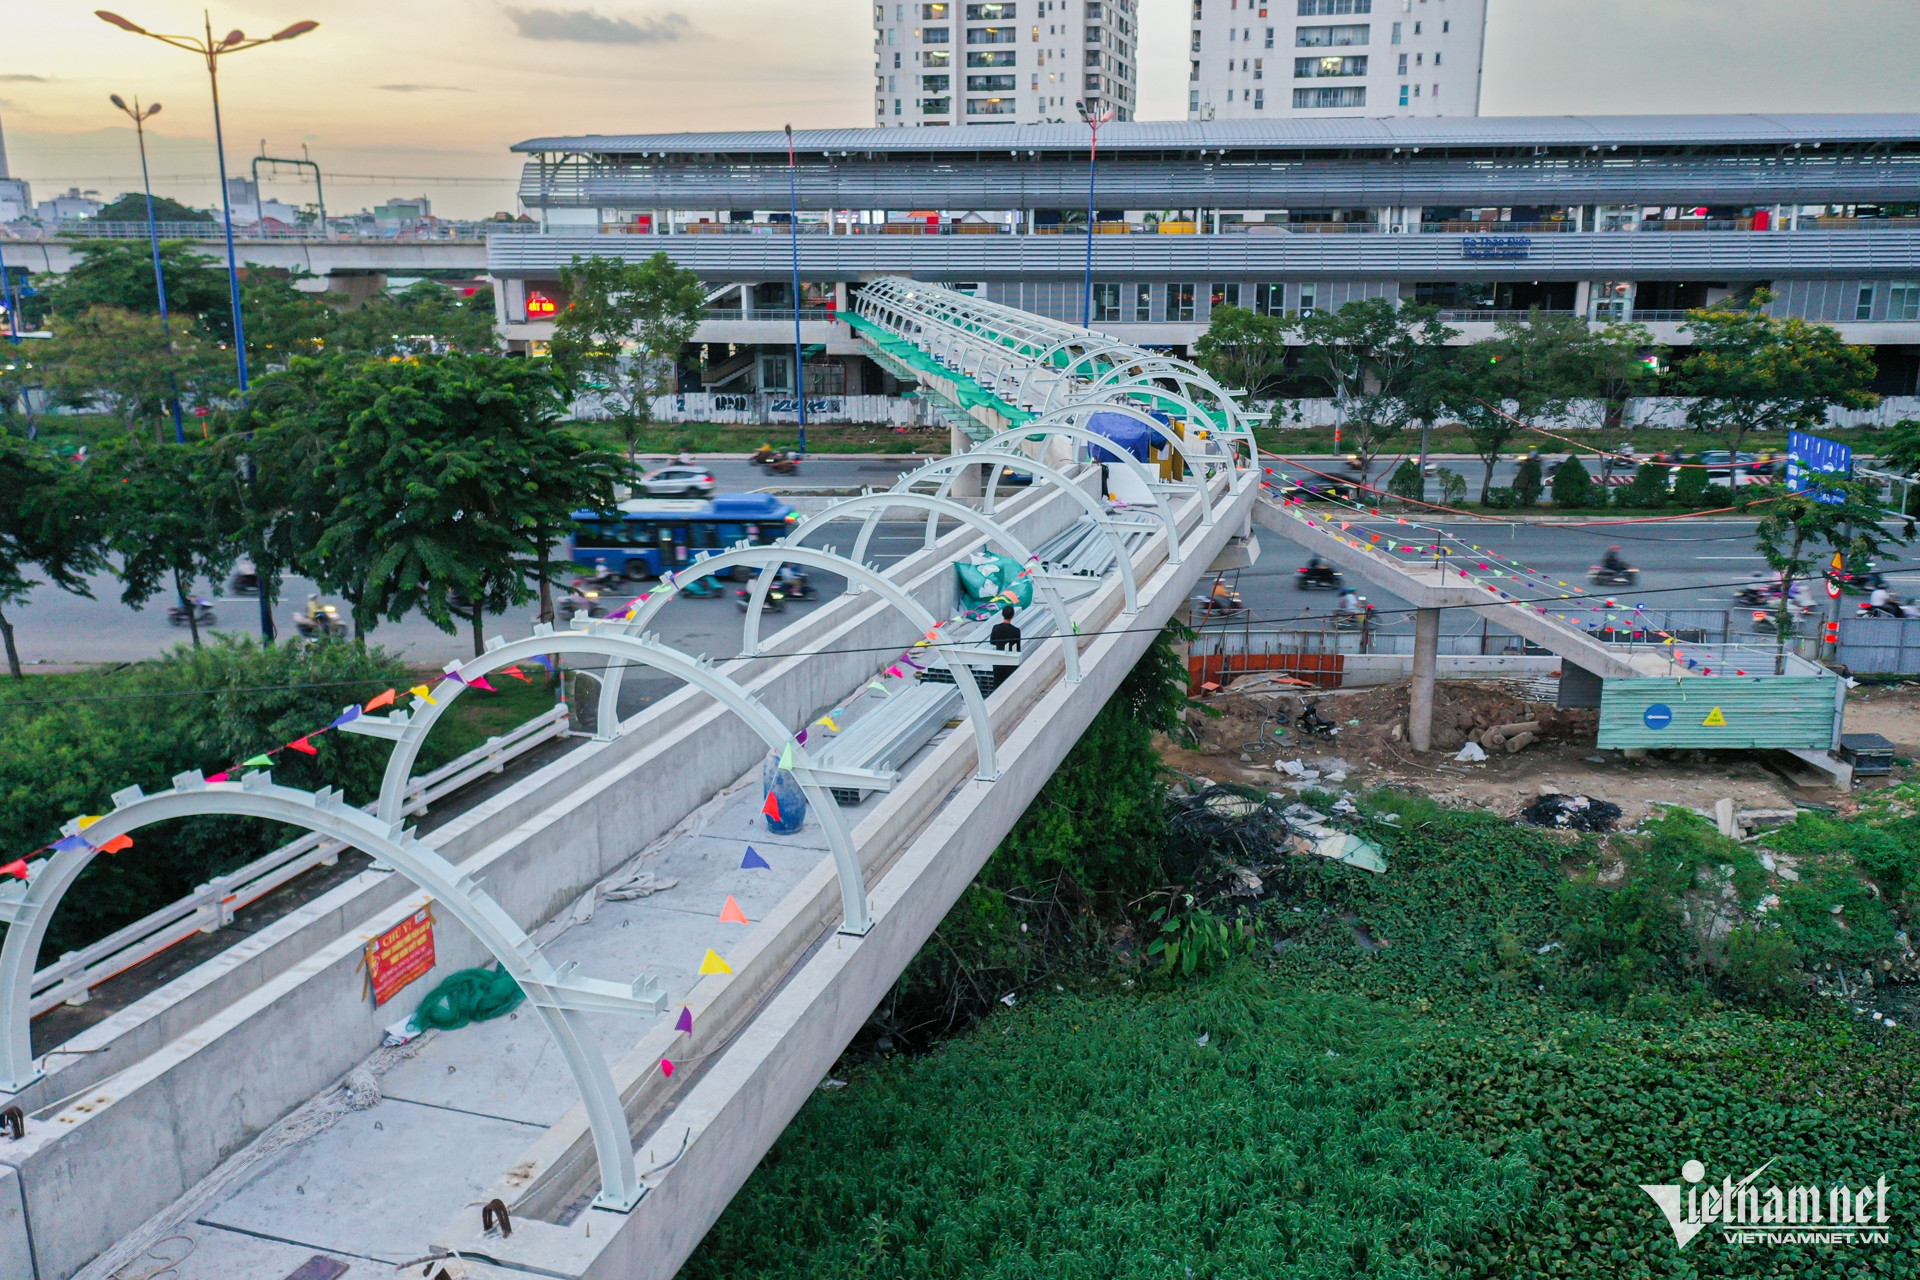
(1765, 621)
(1601, 576)
(784, 464)
(321, 620)
(244, 581)
(763, 455)
(776, 599)
(1352, 619)
(1758, 595)
(1313, 724)
(1317, 577)
(202, 614)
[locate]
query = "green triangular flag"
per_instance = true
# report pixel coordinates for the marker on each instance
(263, 762)
(786, 756)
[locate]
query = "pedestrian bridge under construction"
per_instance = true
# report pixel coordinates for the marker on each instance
(693, 960)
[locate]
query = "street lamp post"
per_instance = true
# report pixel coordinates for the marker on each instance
(799, 353)
(210, 50)
(140, 117)
(1095, 117)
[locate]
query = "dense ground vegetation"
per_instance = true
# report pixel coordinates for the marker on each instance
(1465, 1067)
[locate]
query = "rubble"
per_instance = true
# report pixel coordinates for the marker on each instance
(1571, 813)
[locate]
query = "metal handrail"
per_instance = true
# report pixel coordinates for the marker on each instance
(213, 905)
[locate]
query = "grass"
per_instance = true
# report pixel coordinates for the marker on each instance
(478, 715)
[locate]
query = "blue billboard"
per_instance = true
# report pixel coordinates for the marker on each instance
(1811, 455)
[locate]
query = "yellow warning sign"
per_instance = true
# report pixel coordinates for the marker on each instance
(1715, 718)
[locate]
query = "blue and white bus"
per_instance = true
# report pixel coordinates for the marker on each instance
(646, 537)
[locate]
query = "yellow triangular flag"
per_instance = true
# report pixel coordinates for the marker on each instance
(714, 964)
(420, 691)
(1715, 718)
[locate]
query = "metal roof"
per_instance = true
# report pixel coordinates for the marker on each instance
(1343, 133)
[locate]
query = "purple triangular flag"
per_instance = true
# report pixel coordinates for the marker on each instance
(754, 861)
(686, 1020)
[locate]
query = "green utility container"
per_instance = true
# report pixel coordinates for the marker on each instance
(1781, 712)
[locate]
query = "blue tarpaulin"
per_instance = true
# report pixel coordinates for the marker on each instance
(1126, 432)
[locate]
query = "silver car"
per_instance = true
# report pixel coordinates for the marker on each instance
(678, 481)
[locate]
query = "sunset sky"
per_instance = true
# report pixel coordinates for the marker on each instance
(439, 89)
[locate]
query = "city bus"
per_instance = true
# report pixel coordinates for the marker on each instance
(645, 537)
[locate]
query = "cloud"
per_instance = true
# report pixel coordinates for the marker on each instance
(422, 88)
(21, 77)
(584, 26)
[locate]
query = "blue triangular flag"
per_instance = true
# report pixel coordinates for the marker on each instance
(345, 717)
(543, 660)
(753, 860)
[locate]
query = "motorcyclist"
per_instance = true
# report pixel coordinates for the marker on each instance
(1613, 561)
(1349, 601)
(684, 458)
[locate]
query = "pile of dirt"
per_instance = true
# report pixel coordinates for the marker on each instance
(1247, 721)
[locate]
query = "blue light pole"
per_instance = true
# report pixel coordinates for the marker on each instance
(793, 228)
(210, 50)
(1095, 117)
(140, 118)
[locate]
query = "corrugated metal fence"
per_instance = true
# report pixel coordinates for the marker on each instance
(1880, 646)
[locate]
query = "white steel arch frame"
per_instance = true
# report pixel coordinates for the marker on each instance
(604, 639)
(772, 557)
(1190, 379)
(1060, 422)
(947, 471)
(1143, 390)
(879, 503)
(561, 998)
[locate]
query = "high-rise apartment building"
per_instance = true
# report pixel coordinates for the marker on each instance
(1004, 61)
(1259, 59)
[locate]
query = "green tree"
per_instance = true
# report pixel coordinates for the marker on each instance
(425, 319)
(1573, 486)
(1242, 348)
(1528, 482)
(1689, 485)
(42, 526)
(1750, 371)
(1798, 533)
(1377, 356)
(156, 508)
(622, 330)
(1532, 368)
(132, 207)
(283, 321)
(121, 361)
(119, 273)
(1407, 481)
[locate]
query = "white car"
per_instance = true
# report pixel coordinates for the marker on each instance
(678, 481)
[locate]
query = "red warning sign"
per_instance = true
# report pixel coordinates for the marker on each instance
(400, 955)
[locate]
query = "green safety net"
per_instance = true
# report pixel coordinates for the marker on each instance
(468, 995)
(994, 575)
(968, 393)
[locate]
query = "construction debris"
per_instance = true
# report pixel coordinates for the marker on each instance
(1571, 813)
(1472, 753)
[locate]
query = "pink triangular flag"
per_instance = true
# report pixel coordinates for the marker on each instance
(732, 914)
(686, 1020)
(666, 1067)
(480, 682)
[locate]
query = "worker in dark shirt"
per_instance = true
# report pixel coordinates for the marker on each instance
(1004, 636)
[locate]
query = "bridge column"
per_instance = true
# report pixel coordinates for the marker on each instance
(1426, 657)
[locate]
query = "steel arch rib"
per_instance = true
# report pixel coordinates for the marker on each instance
(1052, 422)
(779, 553)
(560, 999)
(1111, 393)
(1060, 480)
(993, 529)
(598, 638)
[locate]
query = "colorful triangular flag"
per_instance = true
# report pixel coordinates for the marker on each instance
(304, 747)
(257, 762)
(220, 777)
(666, 1067)
(380, 700)
(17, 869)
(714, 964)
(786, 755)
(480, 682)
(421, 691)
(754, 861)
(685, 1021)
(516, 673)
(118, 844)
(772, 807)
(730, 913)
(345, 717)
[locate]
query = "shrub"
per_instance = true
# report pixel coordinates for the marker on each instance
(1453, 486)
(1500, 498)
(1527, 483)
(1649, 487)
(1407, 481)
(1573, 486)
(1690, 486)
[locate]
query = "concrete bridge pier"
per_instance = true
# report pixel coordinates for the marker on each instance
(1426, 658)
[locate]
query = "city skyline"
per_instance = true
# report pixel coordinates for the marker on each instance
(441, 91)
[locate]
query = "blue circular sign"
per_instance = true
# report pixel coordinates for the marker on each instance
(1658, 716)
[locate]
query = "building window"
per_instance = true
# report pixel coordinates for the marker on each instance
(937, 58)
(1324, 37)
(1863, 305)
(1270, 299)
(1223, 295)
(1269, 37)
(1402, 70)
(1180, 303)
(1416, 28)
(937, 12)
(1436, 58)
(992, 35)
(1093, 84)
(1446, 25)
(896, 106)
(989, 106)
(936, 35)
(892, 85)
(1106, 303)
(990, 84)
(1142, 303)
(992, 58)
(935, 106)
(1193, 96)
(1331, 65)
(1396, 33)
(1259, 74)
(890, 35)
(1319, 99)
(1229, 95)
(990, 13)
(896, 62)
(935, 84)
(1307, 295)
(1903, 300)
(1327, 8)
(1405, 90)
(1259, 99)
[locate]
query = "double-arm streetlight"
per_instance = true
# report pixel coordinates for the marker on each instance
(210, 50)
(140, 116)
(1095, 117)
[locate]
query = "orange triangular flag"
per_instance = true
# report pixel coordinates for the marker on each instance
(382, 700)
(117, 844)
(714, 964)
(732, 914)
(304, 747)
(772, 807)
